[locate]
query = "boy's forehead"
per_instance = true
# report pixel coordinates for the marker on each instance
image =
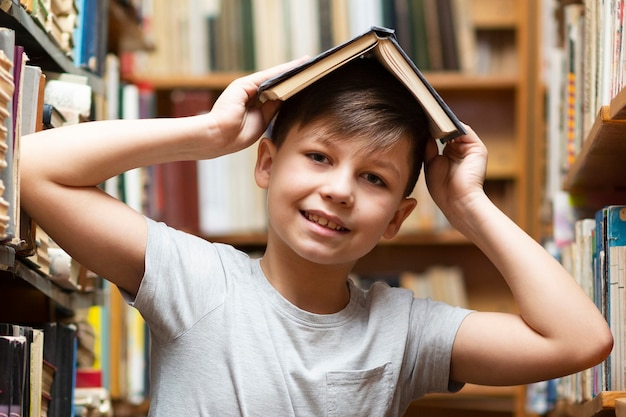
(360, 143)
(327, 134)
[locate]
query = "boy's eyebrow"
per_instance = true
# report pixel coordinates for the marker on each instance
(388, 165)
(384, 163)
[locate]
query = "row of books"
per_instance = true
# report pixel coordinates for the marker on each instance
(437, 282)
(37, 368)
(21, 119)
(588, 71)
(597, 260)
(78, 27)
(6, 94)
(38, 100)
(243, 35)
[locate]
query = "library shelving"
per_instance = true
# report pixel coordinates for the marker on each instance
(43, 51)
(605, 404)
(501, 105)
(28, 294)
(594, 178)
(17, 275)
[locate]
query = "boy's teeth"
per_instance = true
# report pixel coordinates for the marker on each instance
(324, 222)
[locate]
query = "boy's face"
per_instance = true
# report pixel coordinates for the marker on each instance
(331, 199)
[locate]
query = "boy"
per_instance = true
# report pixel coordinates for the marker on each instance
(290, 334)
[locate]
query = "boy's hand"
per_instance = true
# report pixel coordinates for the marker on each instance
(238, 117)
(457, 175)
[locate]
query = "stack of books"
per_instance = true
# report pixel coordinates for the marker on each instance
(6, 94)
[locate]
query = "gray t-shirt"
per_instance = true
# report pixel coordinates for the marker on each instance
(224, 342)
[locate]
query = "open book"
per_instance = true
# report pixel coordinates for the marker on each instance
(381, 43)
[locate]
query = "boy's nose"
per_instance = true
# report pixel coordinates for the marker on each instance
(340, 189)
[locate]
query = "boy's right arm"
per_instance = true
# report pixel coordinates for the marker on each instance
(60, 170)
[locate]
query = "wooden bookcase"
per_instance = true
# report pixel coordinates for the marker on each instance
(505, 109)
(597, 176)
(28, 296)
(596, 179)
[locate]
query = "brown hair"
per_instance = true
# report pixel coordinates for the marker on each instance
(361, 99)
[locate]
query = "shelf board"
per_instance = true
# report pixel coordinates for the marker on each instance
(463, 81)
(210, 81)
(603, 405)
(41, 49)
(600, 163)
(220, 80)
(25, 275)
(620, 407)
(473, 397)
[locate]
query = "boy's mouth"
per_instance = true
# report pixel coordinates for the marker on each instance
(322, 221)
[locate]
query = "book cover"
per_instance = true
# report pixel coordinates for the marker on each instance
(12, 374)
(381, 43)
(19, 69)
(51, 117)
(7, 45)
(31, 107)
(6, 375)
(615, 245)
(600, 294)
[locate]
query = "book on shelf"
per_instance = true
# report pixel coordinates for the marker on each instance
(6, 152)
(31, 104)
(60, 350)
(90, 34)
(52, 117)
(7, 45)
(27, 375)
(12, 374)
(382, 44)
(596, 258)
(612, 248)
(70, 94)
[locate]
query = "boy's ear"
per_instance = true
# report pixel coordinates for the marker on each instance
(404, 209)
(265, 157)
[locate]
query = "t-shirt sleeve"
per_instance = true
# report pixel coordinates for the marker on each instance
(183, 281)
(433, 328)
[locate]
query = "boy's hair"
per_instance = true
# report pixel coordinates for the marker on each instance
(360, 99)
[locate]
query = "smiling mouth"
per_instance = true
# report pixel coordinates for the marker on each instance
(322, 221)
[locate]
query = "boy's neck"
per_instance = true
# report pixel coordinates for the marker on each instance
(315, 288)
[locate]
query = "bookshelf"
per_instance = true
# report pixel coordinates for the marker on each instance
(596, 179)
(603, 405)
(28, 294)
(593, 175)
(502, 103)
(43, 51)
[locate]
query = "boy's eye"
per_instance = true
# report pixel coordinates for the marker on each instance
(317, 157)
(374, 179)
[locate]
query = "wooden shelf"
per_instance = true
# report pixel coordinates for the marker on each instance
(467, 82)
(620, 407)
(471, 398)
(600, 163)
(220, 80)
(42, 50)
(211, 81)
(603, 405)
(18, 274)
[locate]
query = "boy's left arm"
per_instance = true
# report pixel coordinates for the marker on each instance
(558, 331)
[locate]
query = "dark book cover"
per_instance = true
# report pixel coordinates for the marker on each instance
(382, 34)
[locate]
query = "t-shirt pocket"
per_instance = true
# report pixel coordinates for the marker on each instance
(360, 393)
